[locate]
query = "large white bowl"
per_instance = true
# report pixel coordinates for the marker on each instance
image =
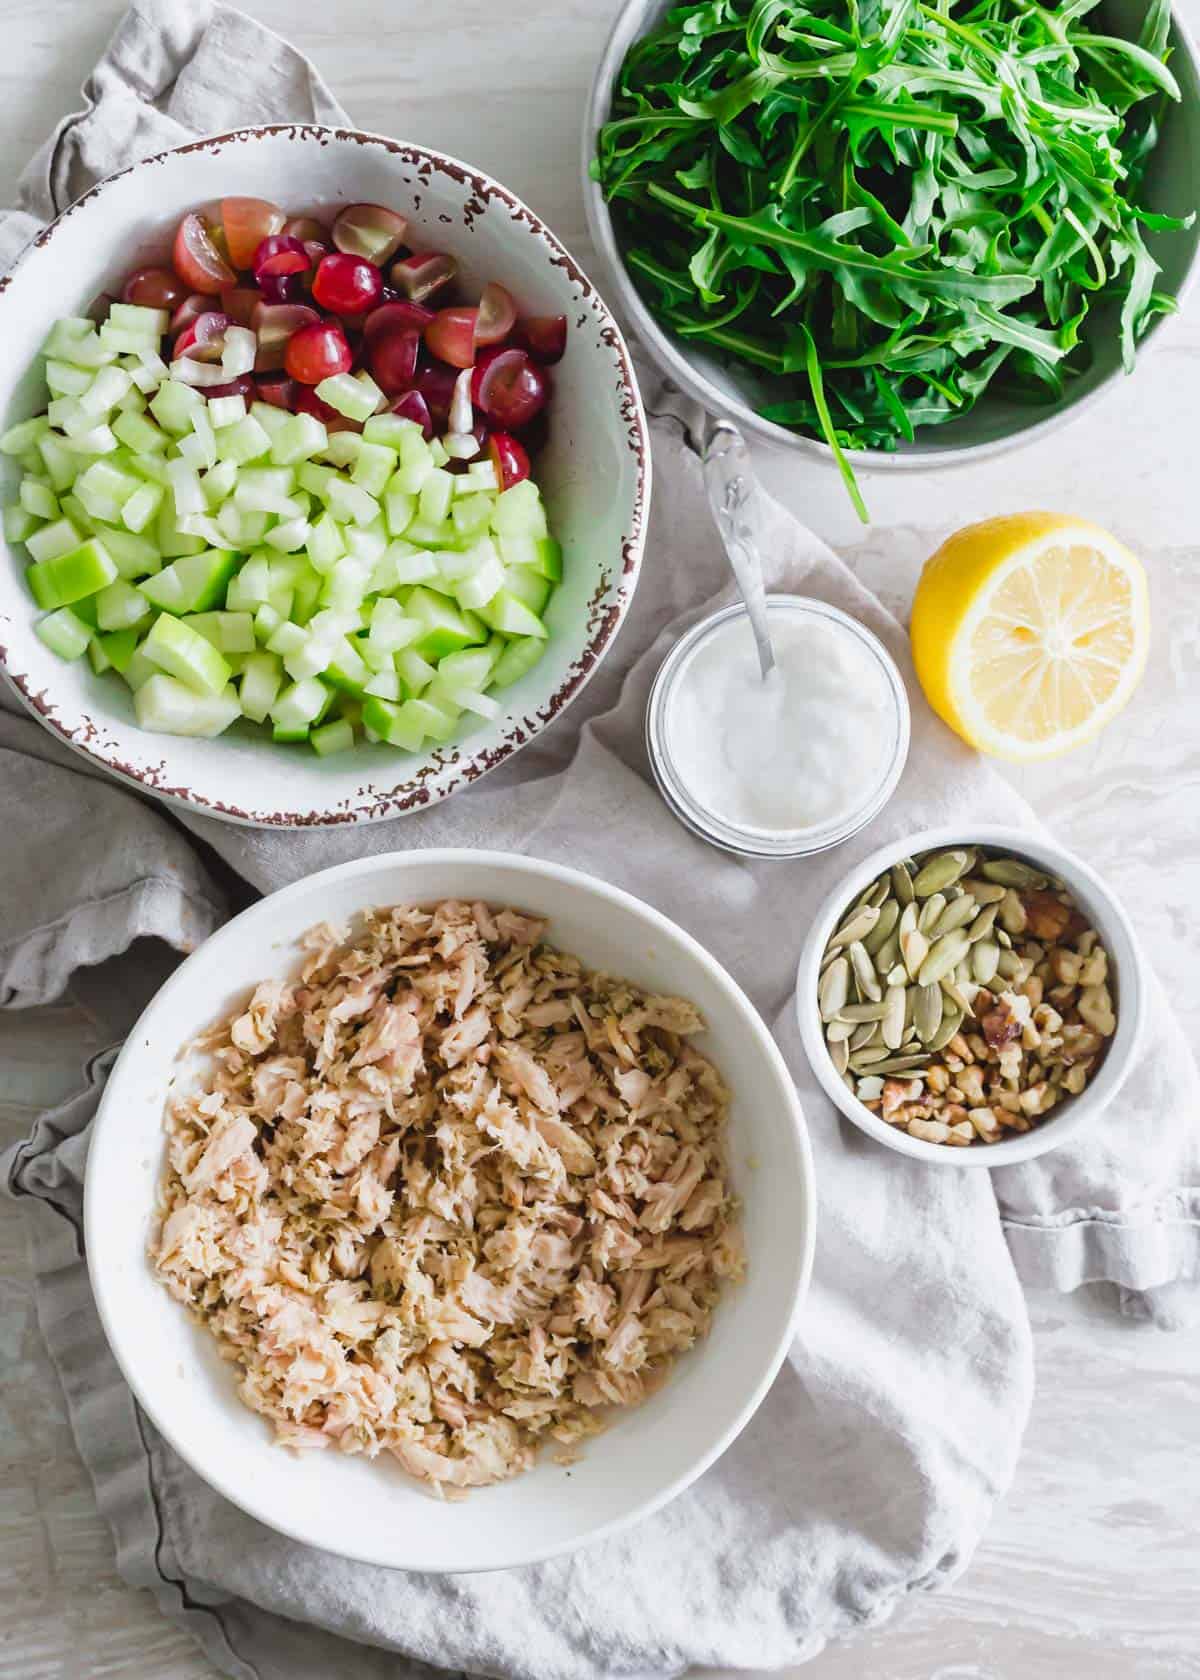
(1105, 913)
(595, 469)
(374, 1512)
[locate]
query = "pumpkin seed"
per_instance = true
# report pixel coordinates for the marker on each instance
(952, 1020)
(985, 960)
(839, 1052)
(931, 910)
(982, 925)
(1011, 872)
(892, 1029)
(834, 989)
(908, 920)
(870, 1089)
(1004, 940)
(901, 1064)
(862, 1060)
(864, 972)
(836, 1031)
(859, 1012)
(957, 914)
(1012, 915)
(866, 1033)
(927, 1012)
(984, 892)
(1009, 964)
(953, 990)
(914, 948)
(848, 1081)
(889, 915)
(902, 884)
(943, 955)
(897, 976)
(856, 926)
(940, 872)
(888, 954)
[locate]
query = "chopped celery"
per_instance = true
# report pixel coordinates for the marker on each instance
(433, 504)
(139, 434)
(246, 440)
(19, 524)
(37, 498)
(133, 555)
(349, 504)
(227, 411)
(332, 738)
(119, 606)
(229, 632)
(519, 511)
(373, 467)
(64, 633)
(389, 430)
(504, 612)
(67, 578)
(301, 437)
(183, 653)
(169, 707)
(118, 647)
(355, 395)
(50, 541)
(300, 704)
(529, 587)
(518, 657)
(261, 680)
(193, 583)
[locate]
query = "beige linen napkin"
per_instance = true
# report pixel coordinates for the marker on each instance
(871, 1470)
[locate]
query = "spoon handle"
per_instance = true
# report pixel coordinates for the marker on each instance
(733, 497)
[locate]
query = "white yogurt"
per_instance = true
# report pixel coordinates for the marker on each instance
(805, 749)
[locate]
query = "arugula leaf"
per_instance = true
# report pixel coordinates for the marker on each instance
(892, 209)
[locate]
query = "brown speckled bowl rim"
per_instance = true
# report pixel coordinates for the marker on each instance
(606, 610)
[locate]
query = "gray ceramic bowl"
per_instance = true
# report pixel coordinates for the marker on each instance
(1172, 185)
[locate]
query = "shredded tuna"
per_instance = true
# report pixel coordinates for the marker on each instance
(449, 1195)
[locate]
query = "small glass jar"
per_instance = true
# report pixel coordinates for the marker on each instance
(775, 842)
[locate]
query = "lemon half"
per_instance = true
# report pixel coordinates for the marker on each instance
(1030, 632)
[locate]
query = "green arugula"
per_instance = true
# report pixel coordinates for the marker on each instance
(890, 207)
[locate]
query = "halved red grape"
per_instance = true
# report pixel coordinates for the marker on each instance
(204, 340)
(247, 222)
(275, 323)
(346, 285)
(510, 388)
(392, 355)
(423, 274)
(317, 352)
(154, 288)
(369, 230)
(396, 314)
(240, 302)
(509, 459)
(276, 389)
(194, 304)
(197, 260)
(435, 382)
(305, 228)
(242, 386)
(544, 336)
(279, 254)
(412, 406)
(282, 288)
(451, 336)
(497, 315)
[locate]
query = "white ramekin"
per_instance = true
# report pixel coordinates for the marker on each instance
(1105, 913)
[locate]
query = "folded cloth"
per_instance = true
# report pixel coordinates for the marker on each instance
(871, 1469)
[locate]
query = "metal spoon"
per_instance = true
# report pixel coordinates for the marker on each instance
(733, 497)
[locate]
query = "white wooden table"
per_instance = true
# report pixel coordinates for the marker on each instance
(1091, 1566)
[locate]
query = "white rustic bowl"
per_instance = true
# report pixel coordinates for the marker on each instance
(1105, 913)
(374, 1512)
(595, 470)
(1172, 184)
